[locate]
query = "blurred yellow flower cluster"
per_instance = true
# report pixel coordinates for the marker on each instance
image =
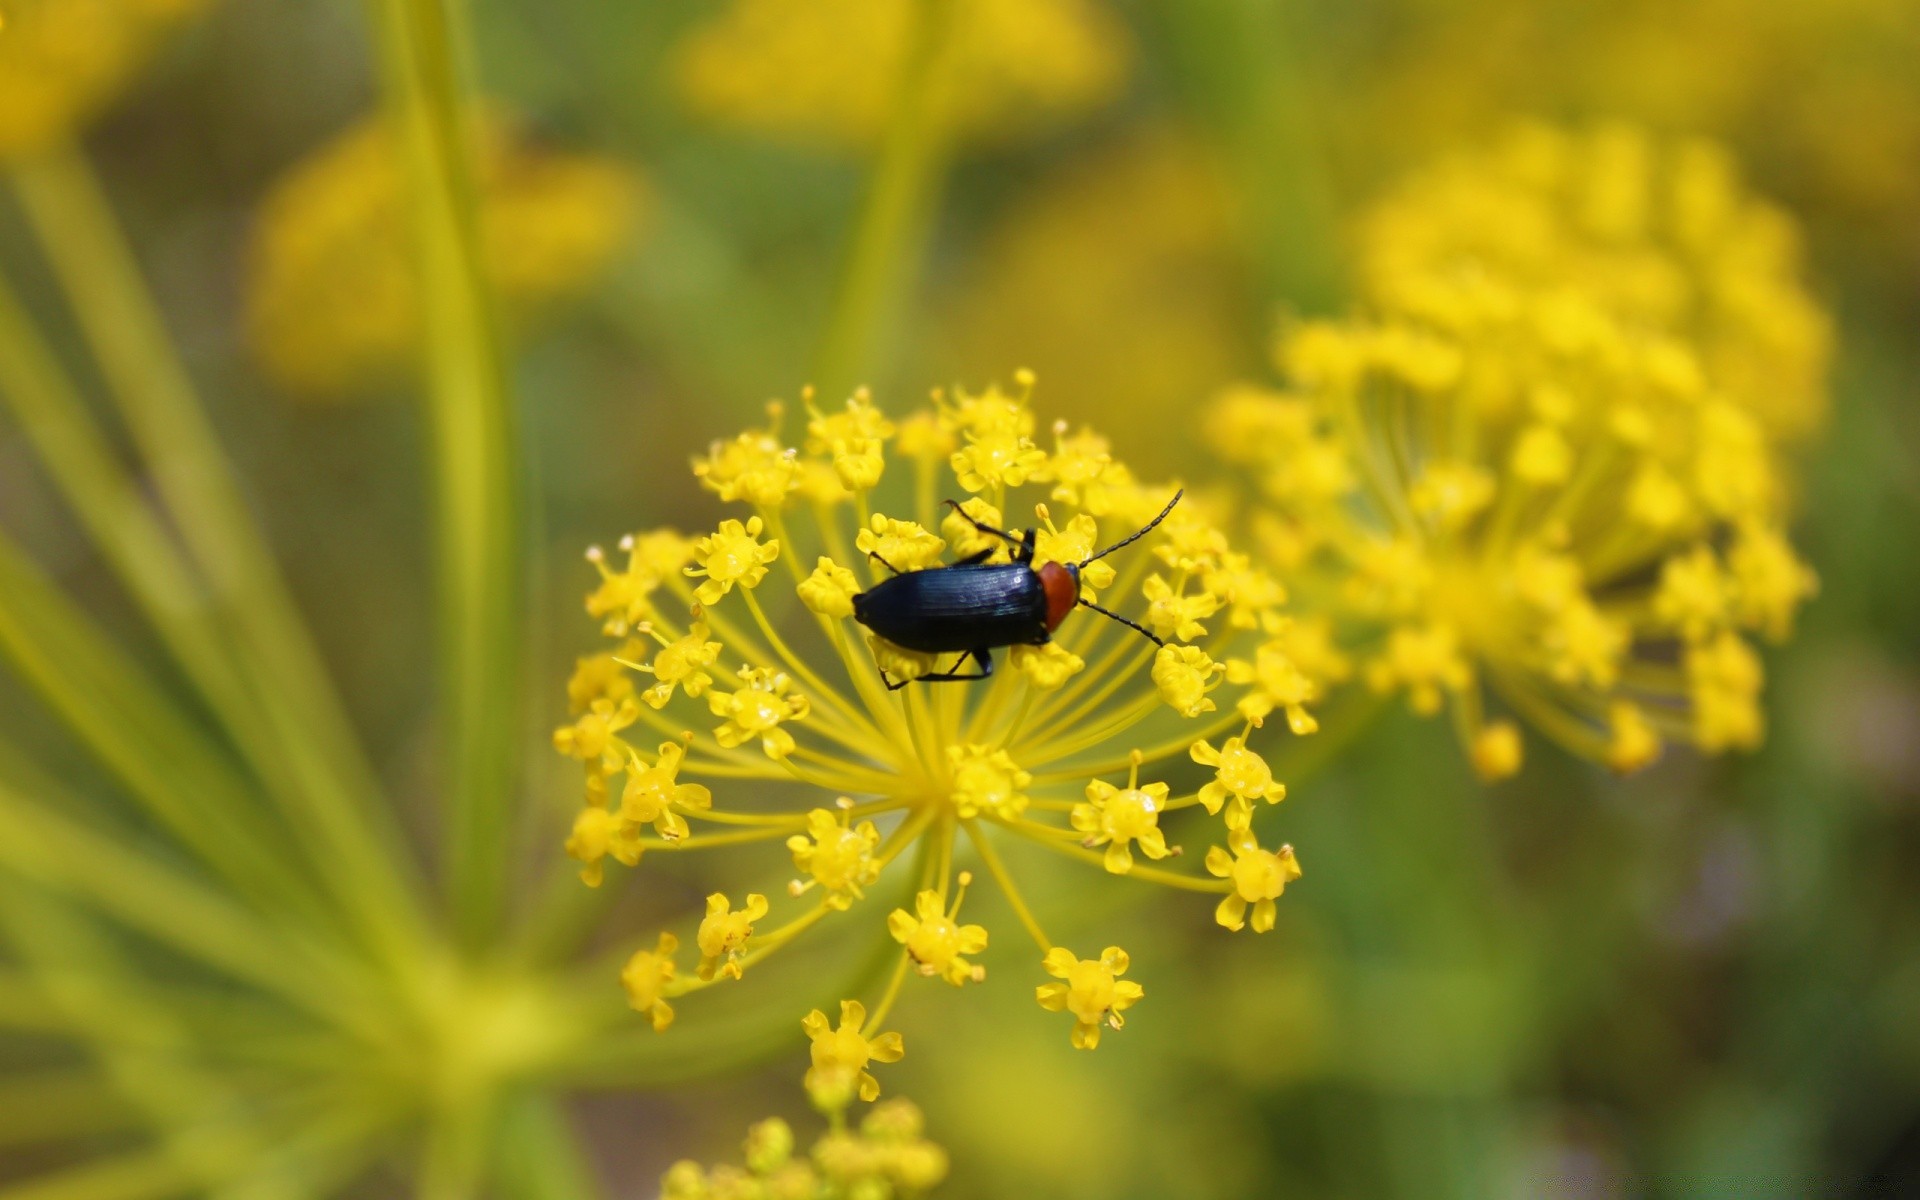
(825, 72)
(1820, 93)
(61, 61)
(1545, 461)
(716, 684)
(1642, 235)
(332, 298)
(886, 1156)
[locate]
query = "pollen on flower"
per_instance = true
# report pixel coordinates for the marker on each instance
(781, 720)
(1092, 991)
(1591, 427)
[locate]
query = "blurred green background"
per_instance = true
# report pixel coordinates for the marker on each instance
(1704, 980)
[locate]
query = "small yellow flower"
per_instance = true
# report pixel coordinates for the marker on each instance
(593, 838)
(986, 780)
(1497, 751)
(332, 299)
(1769, 581)
(1048, 665)
(994, 453)
(1276, 682)
(1093, 991)
(1074, 544)
(625, 597)
(1426, 662)
(830, 590)
(1117, 818)
(925, 438)
(936, 940)
(653, 792)
(840, 1056)
(1258, 876)
(594, 737)
(1172, 615)
(681, 663)
(1633, 744)
(1724, 677)
(754, 468)
(764, 701)
(855, 439)
(646, 978)
(1695, 596)
(1240, 777)
(1183, 675)
(724, 933)
(824, 73)
(734, 555)
(964, 537)
(899, 664)
(901, 545)
(597, 677)
(839, 856)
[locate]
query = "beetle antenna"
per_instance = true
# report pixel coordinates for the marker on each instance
(1133, 537)
(1142, 630)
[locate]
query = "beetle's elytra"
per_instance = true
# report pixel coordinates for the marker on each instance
(974, 607)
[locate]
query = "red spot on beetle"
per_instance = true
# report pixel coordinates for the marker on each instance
(1063, 592)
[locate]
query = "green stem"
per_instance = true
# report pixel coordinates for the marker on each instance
(476, 455)
(177, 774)
(77, 228)
(142, 552)
(884, 255)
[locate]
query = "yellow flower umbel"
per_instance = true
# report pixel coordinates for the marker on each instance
(62, 61)
(1543, 465)
(823, 71)
(770, 708)
(886, 1156)
(332, 300)
(1556, 237)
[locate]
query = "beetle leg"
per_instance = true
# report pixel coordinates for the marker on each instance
(875, 556)
(1024, 547)
(982, 656)
(1012, 539)
(972, 559)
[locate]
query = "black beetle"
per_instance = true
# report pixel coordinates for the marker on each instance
(973, 606)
